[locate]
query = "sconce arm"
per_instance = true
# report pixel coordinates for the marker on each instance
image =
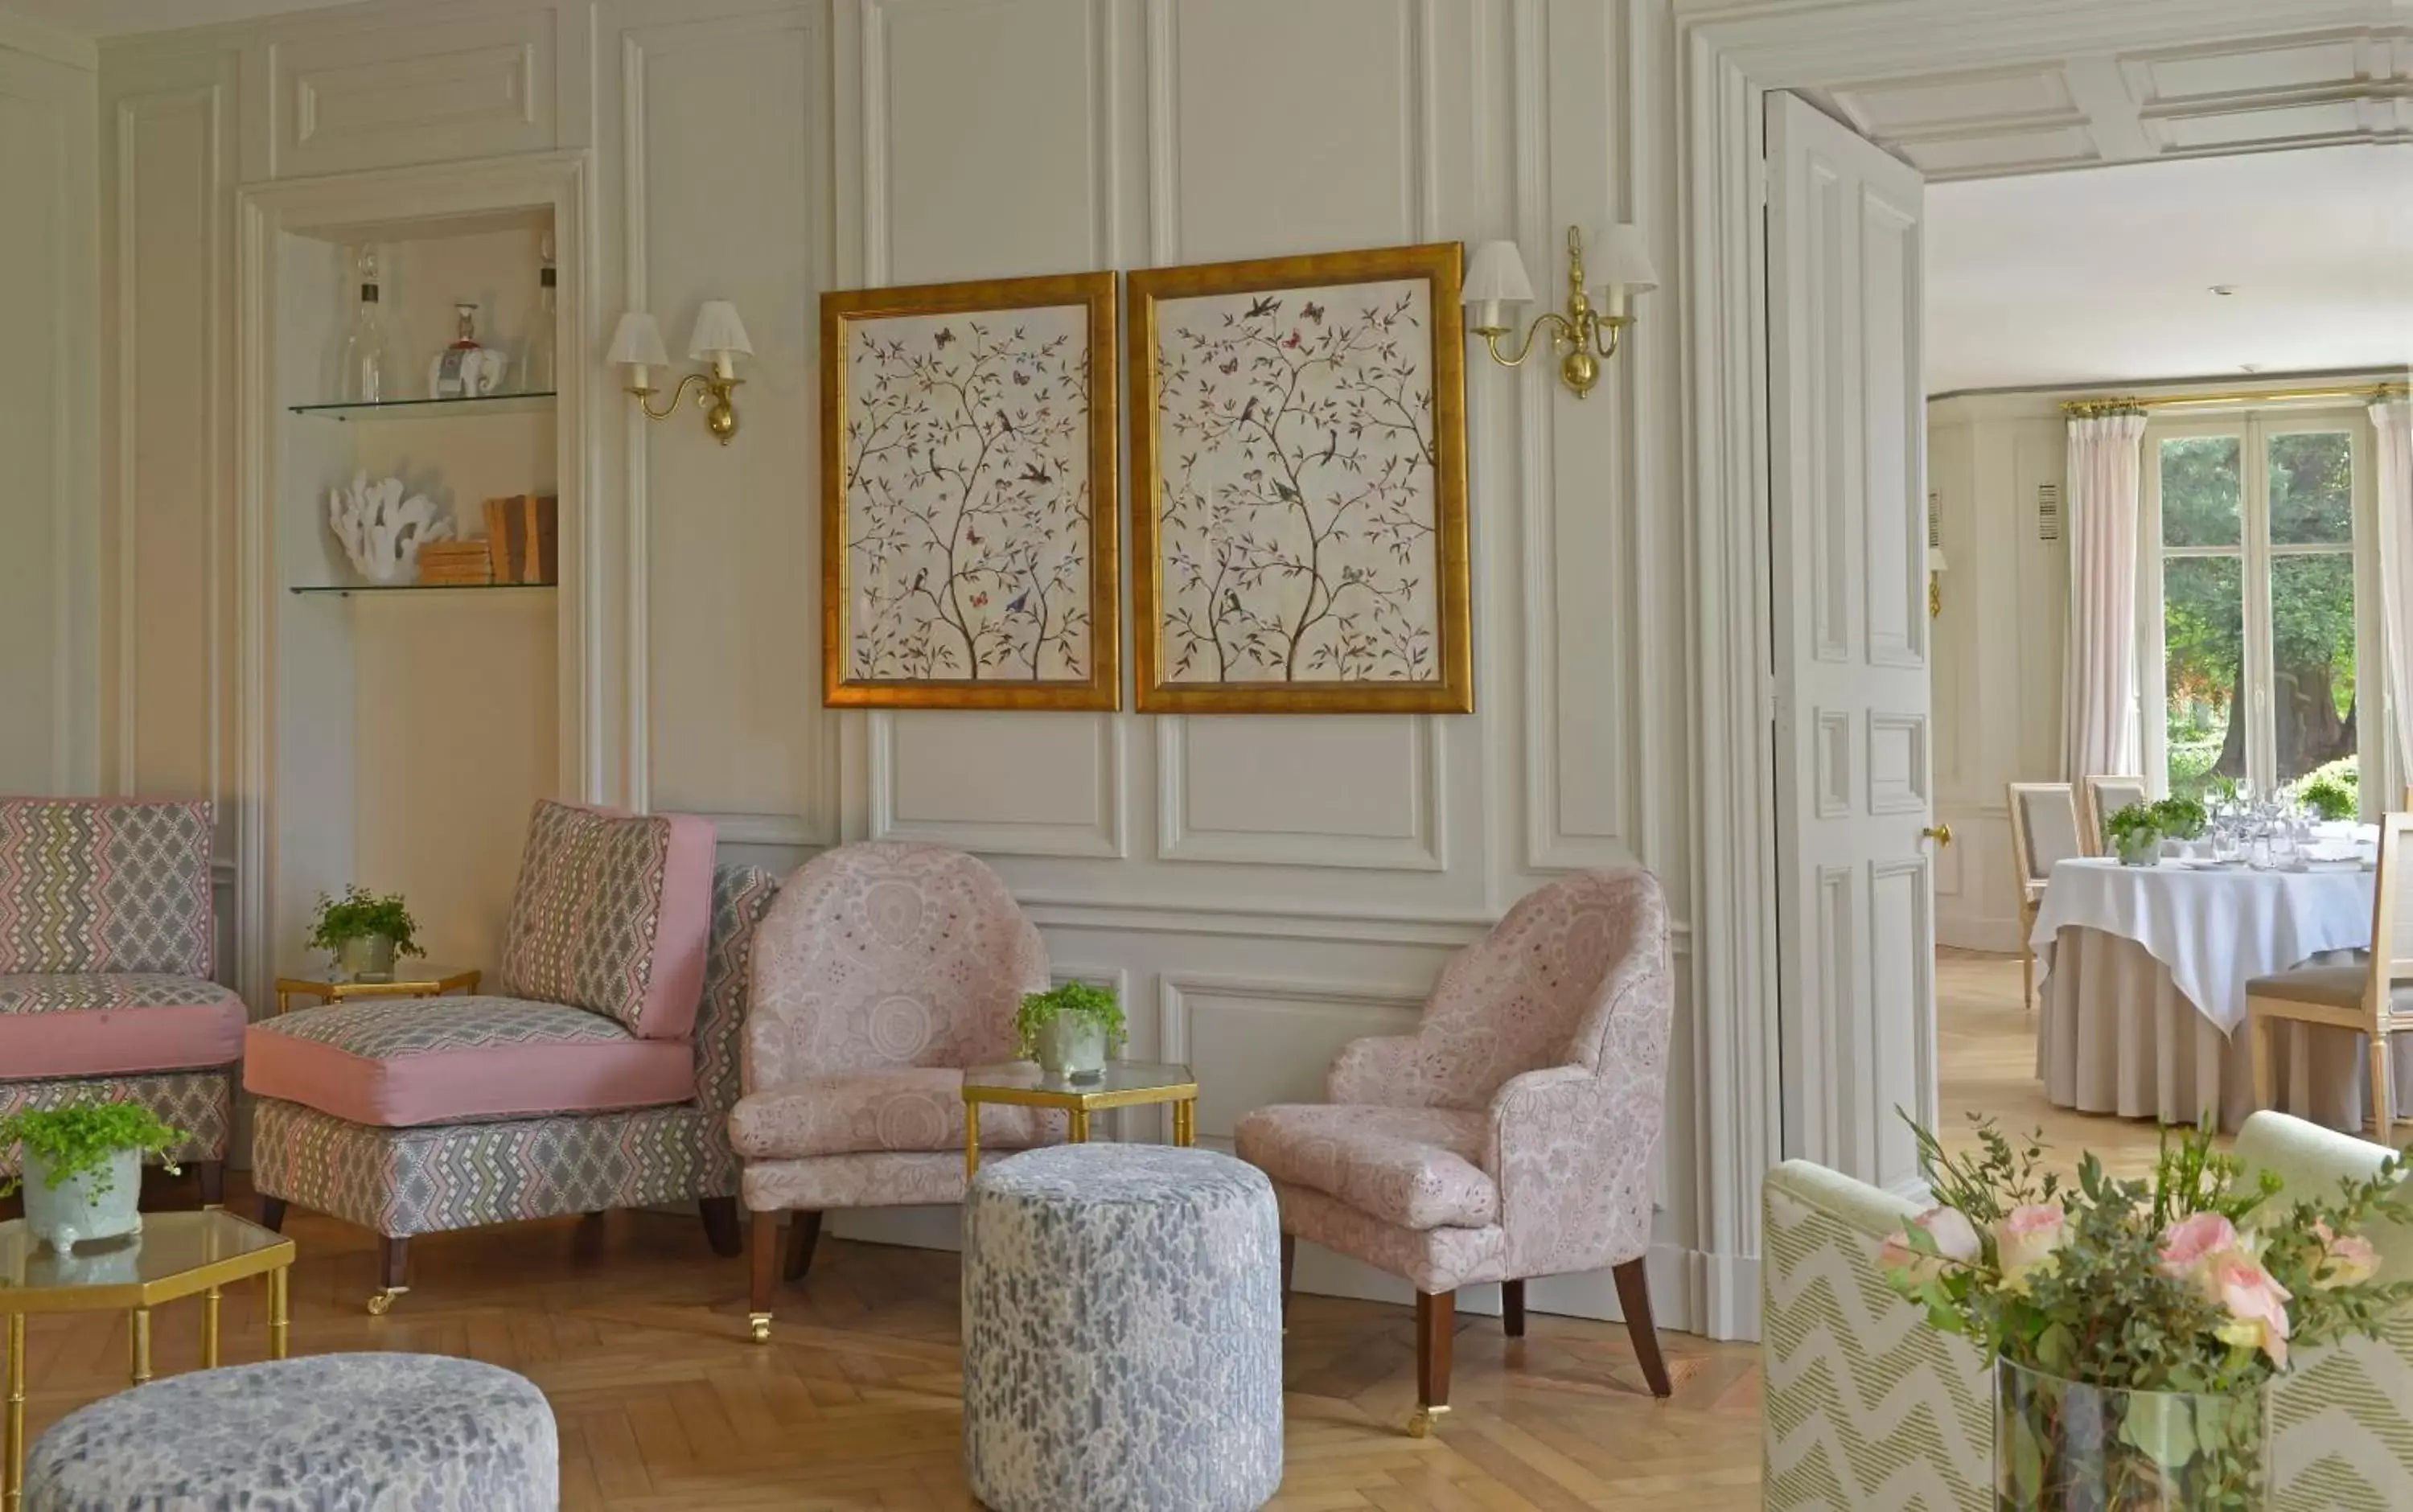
(1608, 331)
(1560, 331)
(679, 397)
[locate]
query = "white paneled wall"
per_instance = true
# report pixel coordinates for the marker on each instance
(1998, 644)
(50, 388)
(1263, 888)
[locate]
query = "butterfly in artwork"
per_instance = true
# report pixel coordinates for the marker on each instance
(946, 334)
(1313, 312)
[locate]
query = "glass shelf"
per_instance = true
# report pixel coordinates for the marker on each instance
(490, 404)
(347, 589)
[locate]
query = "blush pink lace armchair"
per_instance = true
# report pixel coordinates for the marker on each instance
(880, 973)
(1512, 1136)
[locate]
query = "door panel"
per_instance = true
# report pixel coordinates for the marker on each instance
(1849, 537)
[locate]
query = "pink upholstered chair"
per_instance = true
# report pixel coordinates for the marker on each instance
(1514, 1134)
(879, 974)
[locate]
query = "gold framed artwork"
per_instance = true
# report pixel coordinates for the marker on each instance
(1298, 471)
(969, 496)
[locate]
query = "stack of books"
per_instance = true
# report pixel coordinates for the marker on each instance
(455, 563)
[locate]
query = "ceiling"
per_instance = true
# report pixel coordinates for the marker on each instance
(2304, 90)
(2066, 280)
(117, 18)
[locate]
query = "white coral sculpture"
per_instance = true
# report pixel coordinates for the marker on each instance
(382, 530)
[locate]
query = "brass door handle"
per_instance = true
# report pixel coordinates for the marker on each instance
(1940, 834)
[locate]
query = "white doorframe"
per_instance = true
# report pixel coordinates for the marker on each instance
(1730, 54)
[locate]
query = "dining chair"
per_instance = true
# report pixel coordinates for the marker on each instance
(2099, 798)
(2044, 830)
(2373, 998)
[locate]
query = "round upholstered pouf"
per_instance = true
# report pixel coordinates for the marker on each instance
(1122, 1332)
(328, 1433)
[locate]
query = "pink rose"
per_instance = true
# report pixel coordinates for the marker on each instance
(2346, 1259)
(1956, 1241)
(2027, 1240)
(2191, 1241)
(2256, 1304)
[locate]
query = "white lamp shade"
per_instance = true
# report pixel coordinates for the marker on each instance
(1623, 261)
(718, 332)
(1935, 562)
(637, 342)
(1497, 275)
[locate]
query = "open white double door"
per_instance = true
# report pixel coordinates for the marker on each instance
(1847, 537)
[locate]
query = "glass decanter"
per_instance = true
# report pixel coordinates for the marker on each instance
(365, 370)
(537, 356)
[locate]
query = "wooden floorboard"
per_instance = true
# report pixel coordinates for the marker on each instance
(637, 1335)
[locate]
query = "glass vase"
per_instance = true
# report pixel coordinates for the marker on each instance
(2060, 1445)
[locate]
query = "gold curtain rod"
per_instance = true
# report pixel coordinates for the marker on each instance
(2373, 391)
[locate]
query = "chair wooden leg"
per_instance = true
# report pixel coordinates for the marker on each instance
(1436, 1327)
(211, 1175)
(1512, 1309)
(1289, 1259)
(2027, 975)
(721, 1227)
(394, 1273)
(2258, 1029)
(804, 1237)
(272, 1214)
(1633, 1298)
(766, 1265)
(2383, 1094)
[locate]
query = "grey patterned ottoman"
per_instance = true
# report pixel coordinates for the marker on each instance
(1122, 1332)
(326, 1433)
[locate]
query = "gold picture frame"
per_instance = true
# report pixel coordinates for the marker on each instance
(948, 410)
(1362, 608)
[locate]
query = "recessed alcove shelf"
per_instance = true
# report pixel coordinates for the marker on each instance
(346, 591)
(491, 403)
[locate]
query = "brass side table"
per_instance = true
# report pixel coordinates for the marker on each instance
(176, 1255)
(1125, 1084)
(405, 982)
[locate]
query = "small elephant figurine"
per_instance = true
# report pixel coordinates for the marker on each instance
(468, 375)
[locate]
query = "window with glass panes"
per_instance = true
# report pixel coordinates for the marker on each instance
(2251, 625)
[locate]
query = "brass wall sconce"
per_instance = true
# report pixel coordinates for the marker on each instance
(1584, 335)
(720, 338)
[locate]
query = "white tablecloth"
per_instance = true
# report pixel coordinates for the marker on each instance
(2215, 929)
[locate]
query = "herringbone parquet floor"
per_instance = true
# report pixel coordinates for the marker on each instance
(637, 1334)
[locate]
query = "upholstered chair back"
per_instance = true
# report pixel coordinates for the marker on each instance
(101, 885)
(1549, 986)
(885, 956)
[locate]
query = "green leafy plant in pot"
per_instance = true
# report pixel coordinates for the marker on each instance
(82, 1172)
(2328, 798)
(364, 932)
(1070, 1030)
(2136, 834)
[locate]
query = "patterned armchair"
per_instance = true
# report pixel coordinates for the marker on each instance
(1514, 1134)
(602, 1077)
(1869, 1406)
(106, 944)
(882, 972)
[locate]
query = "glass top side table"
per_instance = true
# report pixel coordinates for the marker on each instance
(1124, 1084)
(175, 1255)
(416, 981)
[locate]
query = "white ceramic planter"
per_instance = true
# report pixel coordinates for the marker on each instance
(1073, 1046)
(72, 1213)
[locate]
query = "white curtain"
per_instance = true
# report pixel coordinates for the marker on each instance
(2099, 710)
(2393, 418)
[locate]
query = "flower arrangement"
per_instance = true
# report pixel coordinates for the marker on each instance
(2181, 818)
(78, 1140)
(2328, 798)
(2134, 832)
(2136, 1324)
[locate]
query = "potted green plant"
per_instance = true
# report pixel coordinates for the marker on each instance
(2328, 798)
(2136, 834)
(2180, 820)
(2134, 1326)
(82, 1168)
(1070, 1030)
(364, 932)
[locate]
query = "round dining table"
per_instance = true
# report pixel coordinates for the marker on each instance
(2141, 1010)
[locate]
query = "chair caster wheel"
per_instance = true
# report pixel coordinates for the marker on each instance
(758, 1326)
(1420, 1423)
(380, 1303)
